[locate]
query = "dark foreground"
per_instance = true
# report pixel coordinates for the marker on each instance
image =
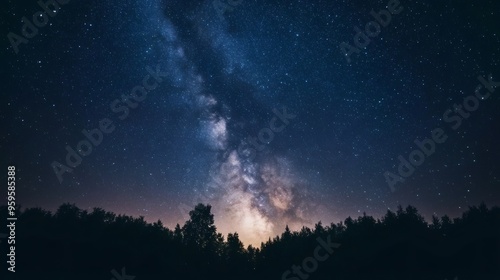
(74, 244)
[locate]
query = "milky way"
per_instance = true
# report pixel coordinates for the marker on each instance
(214, 130)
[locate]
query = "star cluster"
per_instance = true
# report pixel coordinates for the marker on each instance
(213, 130)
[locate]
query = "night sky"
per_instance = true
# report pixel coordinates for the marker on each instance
(253, 107)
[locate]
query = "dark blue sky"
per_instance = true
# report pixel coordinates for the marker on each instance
(212, 128)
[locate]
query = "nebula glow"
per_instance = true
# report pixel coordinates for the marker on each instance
(194, 138)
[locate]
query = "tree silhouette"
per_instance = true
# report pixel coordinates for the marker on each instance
(399, 246)
(200, 231)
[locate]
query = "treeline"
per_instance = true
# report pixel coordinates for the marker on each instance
(79, 244)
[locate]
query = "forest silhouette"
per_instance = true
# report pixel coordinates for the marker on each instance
(77, 244)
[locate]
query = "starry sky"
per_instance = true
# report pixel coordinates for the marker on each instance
(250, 106)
